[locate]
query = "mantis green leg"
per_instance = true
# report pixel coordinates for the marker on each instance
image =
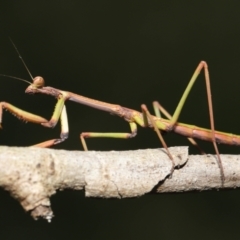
(142, 121)
(64, 130)
(158, 108)
(174, 118)
(146, 116)
(133, 127)
(29, 117)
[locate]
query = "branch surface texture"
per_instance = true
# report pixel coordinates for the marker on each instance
(32, 175)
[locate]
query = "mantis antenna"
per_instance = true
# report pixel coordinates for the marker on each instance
(20, 79)
(19, 55)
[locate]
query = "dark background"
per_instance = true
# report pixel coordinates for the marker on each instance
(129, 53)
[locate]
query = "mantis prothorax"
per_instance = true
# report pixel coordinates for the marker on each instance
(133, 117)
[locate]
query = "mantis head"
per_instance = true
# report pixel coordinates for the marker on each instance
(38, 83)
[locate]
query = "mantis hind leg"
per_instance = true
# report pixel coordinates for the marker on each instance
(174, 118)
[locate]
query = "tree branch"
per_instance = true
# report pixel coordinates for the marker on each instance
(32, 175)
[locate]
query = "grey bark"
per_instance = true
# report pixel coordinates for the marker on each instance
(32, 175)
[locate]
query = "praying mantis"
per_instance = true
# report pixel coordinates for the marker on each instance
(133, 117)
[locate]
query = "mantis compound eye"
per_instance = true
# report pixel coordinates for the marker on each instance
(38, 82)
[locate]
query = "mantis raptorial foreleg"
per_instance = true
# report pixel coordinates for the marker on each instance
(29, 117)
(52, 123)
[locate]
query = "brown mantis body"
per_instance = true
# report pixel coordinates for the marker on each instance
(134, 118)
